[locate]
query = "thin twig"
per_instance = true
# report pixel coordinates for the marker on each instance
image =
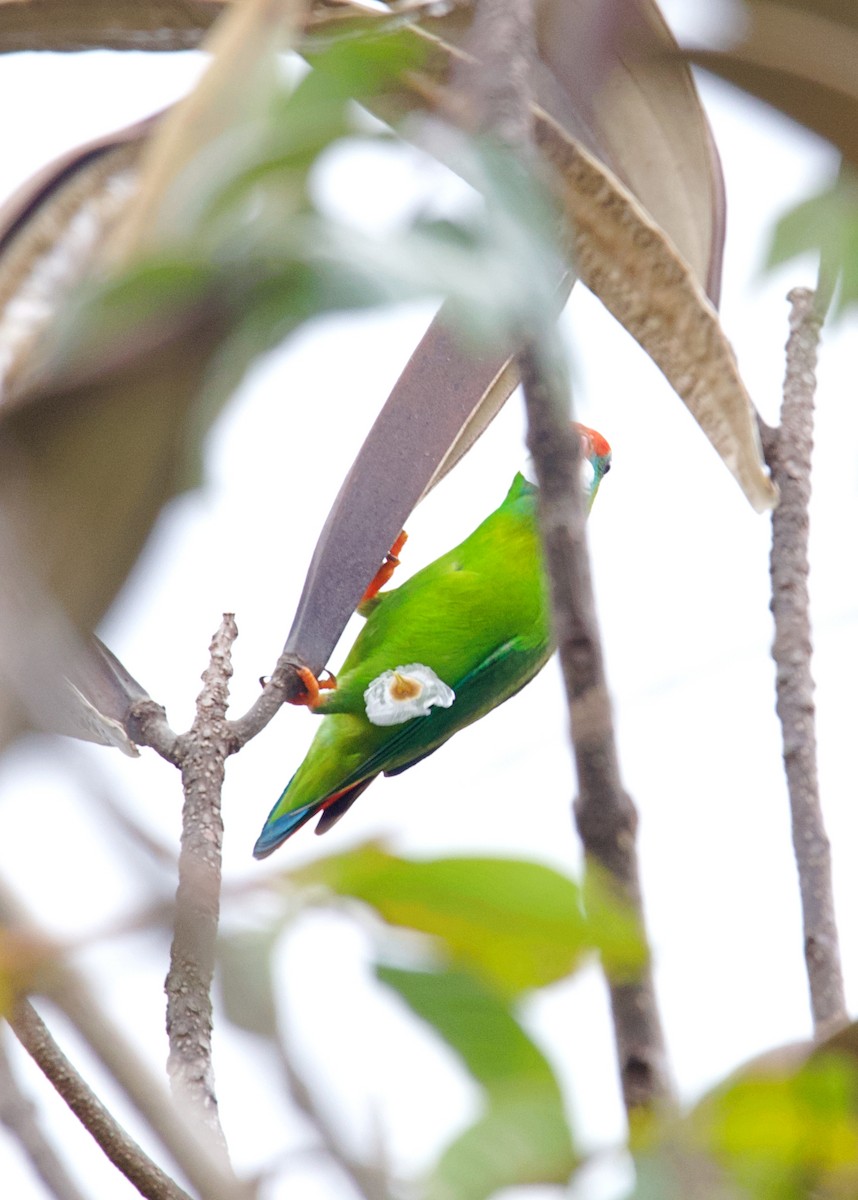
(122, 1150)
(20, 1117)
(605, 813)
(209, 1175)
(65, 988)
(788, 454)
(282, 685)
(192, 957)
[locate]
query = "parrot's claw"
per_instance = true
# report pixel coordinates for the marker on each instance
(385, 571)
(313, 687)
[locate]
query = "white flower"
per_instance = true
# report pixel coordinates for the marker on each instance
(405, 692)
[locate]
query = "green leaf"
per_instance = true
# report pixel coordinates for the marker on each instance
(478, 1025)
(523, 1135)
(785, 1136)
(614, 927)
(516, 924)
(523, 1139)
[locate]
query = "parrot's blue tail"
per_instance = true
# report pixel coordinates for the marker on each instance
(277, 830)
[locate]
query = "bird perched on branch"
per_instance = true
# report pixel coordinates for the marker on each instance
(439, 652)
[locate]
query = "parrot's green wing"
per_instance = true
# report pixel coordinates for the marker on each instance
(503, 673)
(496, 678)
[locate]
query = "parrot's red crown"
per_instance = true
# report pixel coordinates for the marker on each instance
(600, 445)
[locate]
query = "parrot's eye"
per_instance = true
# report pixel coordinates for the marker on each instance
(606, 468)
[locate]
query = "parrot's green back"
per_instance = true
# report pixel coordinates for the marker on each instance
(478, 617)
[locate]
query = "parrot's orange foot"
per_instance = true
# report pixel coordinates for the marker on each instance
(385, 571)
(313, 687)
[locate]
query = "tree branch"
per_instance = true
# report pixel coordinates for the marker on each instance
(788, 454)
(605, 813)
(147, 725)
(122, 1150)
(18, 1114)
(64, 987)
(498, 92)
(495, 84)
(192, 957)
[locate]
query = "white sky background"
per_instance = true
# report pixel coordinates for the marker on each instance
(681, 572)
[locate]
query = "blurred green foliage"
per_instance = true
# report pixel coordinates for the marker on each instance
(242, 224)
(482, 935)
(825, 224)
(491, 932)
(522, 1134)
(782, 1129)
(516, 925)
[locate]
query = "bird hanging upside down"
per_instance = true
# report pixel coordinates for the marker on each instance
(439, 652)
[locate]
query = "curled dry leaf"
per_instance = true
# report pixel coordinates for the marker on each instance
(51, 230)
(799, 57)
(389, 477)
(51, 677)
(631, 262)
(608, 74)
(632, 266)
(99, 429)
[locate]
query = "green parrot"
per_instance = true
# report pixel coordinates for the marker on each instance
(448, 646)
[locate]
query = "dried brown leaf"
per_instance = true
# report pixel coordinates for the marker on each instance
(631, 265)
(98, 436)
(66, 25)
(801, 59)
(243, 48)
(51, 230)
(657, 137)
(608, 73)
(461, 388)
